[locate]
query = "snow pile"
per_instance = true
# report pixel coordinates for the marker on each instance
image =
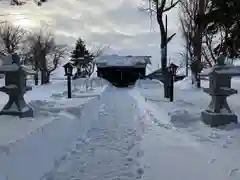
(147, 83)
(186, 83)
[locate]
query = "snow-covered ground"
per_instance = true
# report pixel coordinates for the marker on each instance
(110, 133)
(29, 147)
(107, 147)
(178, 145)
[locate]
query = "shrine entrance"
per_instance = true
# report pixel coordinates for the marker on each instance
(121, 76)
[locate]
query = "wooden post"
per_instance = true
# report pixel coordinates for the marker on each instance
(36, 74)
(69, 87)
(187, 54)
(171, 88)
(164, 64)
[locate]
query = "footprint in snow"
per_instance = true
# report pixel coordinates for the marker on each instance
(50, 105)
(232, 171)
(140, 153)
(138, 138)
(224, 146)
(5, 150)
(211, 161)
(140, 172)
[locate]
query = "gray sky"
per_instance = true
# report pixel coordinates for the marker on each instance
(117, 23)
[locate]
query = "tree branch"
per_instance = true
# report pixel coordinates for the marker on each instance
(170, 38)
(173, 4)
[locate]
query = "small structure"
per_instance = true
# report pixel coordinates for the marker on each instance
(68, 69)
(158, 74)
(15, 87)
(171, 74)
(218, 112)
(122, 71)
(173, 67)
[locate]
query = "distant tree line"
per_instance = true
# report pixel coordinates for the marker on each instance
(210, 28)
(23, 2)
(40, 51)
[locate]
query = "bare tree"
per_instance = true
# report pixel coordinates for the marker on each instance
(23, 2)
(10, 37)
(158, 8)
(208, 49)
(199, 44)
(44, 54)
(96, 52)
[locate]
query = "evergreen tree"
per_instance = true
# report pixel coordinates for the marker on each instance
(79, 52)
(81, 59)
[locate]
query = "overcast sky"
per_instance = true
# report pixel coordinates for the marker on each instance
(117, 23)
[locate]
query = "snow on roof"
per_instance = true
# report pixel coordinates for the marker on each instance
(9, 68)
(115, 60)
(227, 69)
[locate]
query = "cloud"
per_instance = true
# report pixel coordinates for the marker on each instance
(119, 24)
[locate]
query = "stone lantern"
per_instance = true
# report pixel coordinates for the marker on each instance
(68, 67)
(218, 112)
(15, 87)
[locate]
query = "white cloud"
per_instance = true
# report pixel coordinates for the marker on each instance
(117, 23)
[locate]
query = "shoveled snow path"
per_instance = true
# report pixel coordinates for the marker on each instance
(107, 147)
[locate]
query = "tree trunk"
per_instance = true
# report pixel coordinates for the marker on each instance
(163, 32)
(45, 77)
(199, 36)
(45, 74)
(194, 78)
(36, 74)
(36, 78)
(187, 55)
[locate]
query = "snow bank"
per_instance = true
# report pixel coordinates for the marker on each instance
(186, 146)
(35, 155)
(186, 84)
(148, 83)
(46, 102)
(15, 129)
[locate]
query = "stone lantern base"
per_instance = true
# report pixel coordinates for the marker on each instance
(21, 110)
(216, 119)
(21, 114)
(16, 105)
